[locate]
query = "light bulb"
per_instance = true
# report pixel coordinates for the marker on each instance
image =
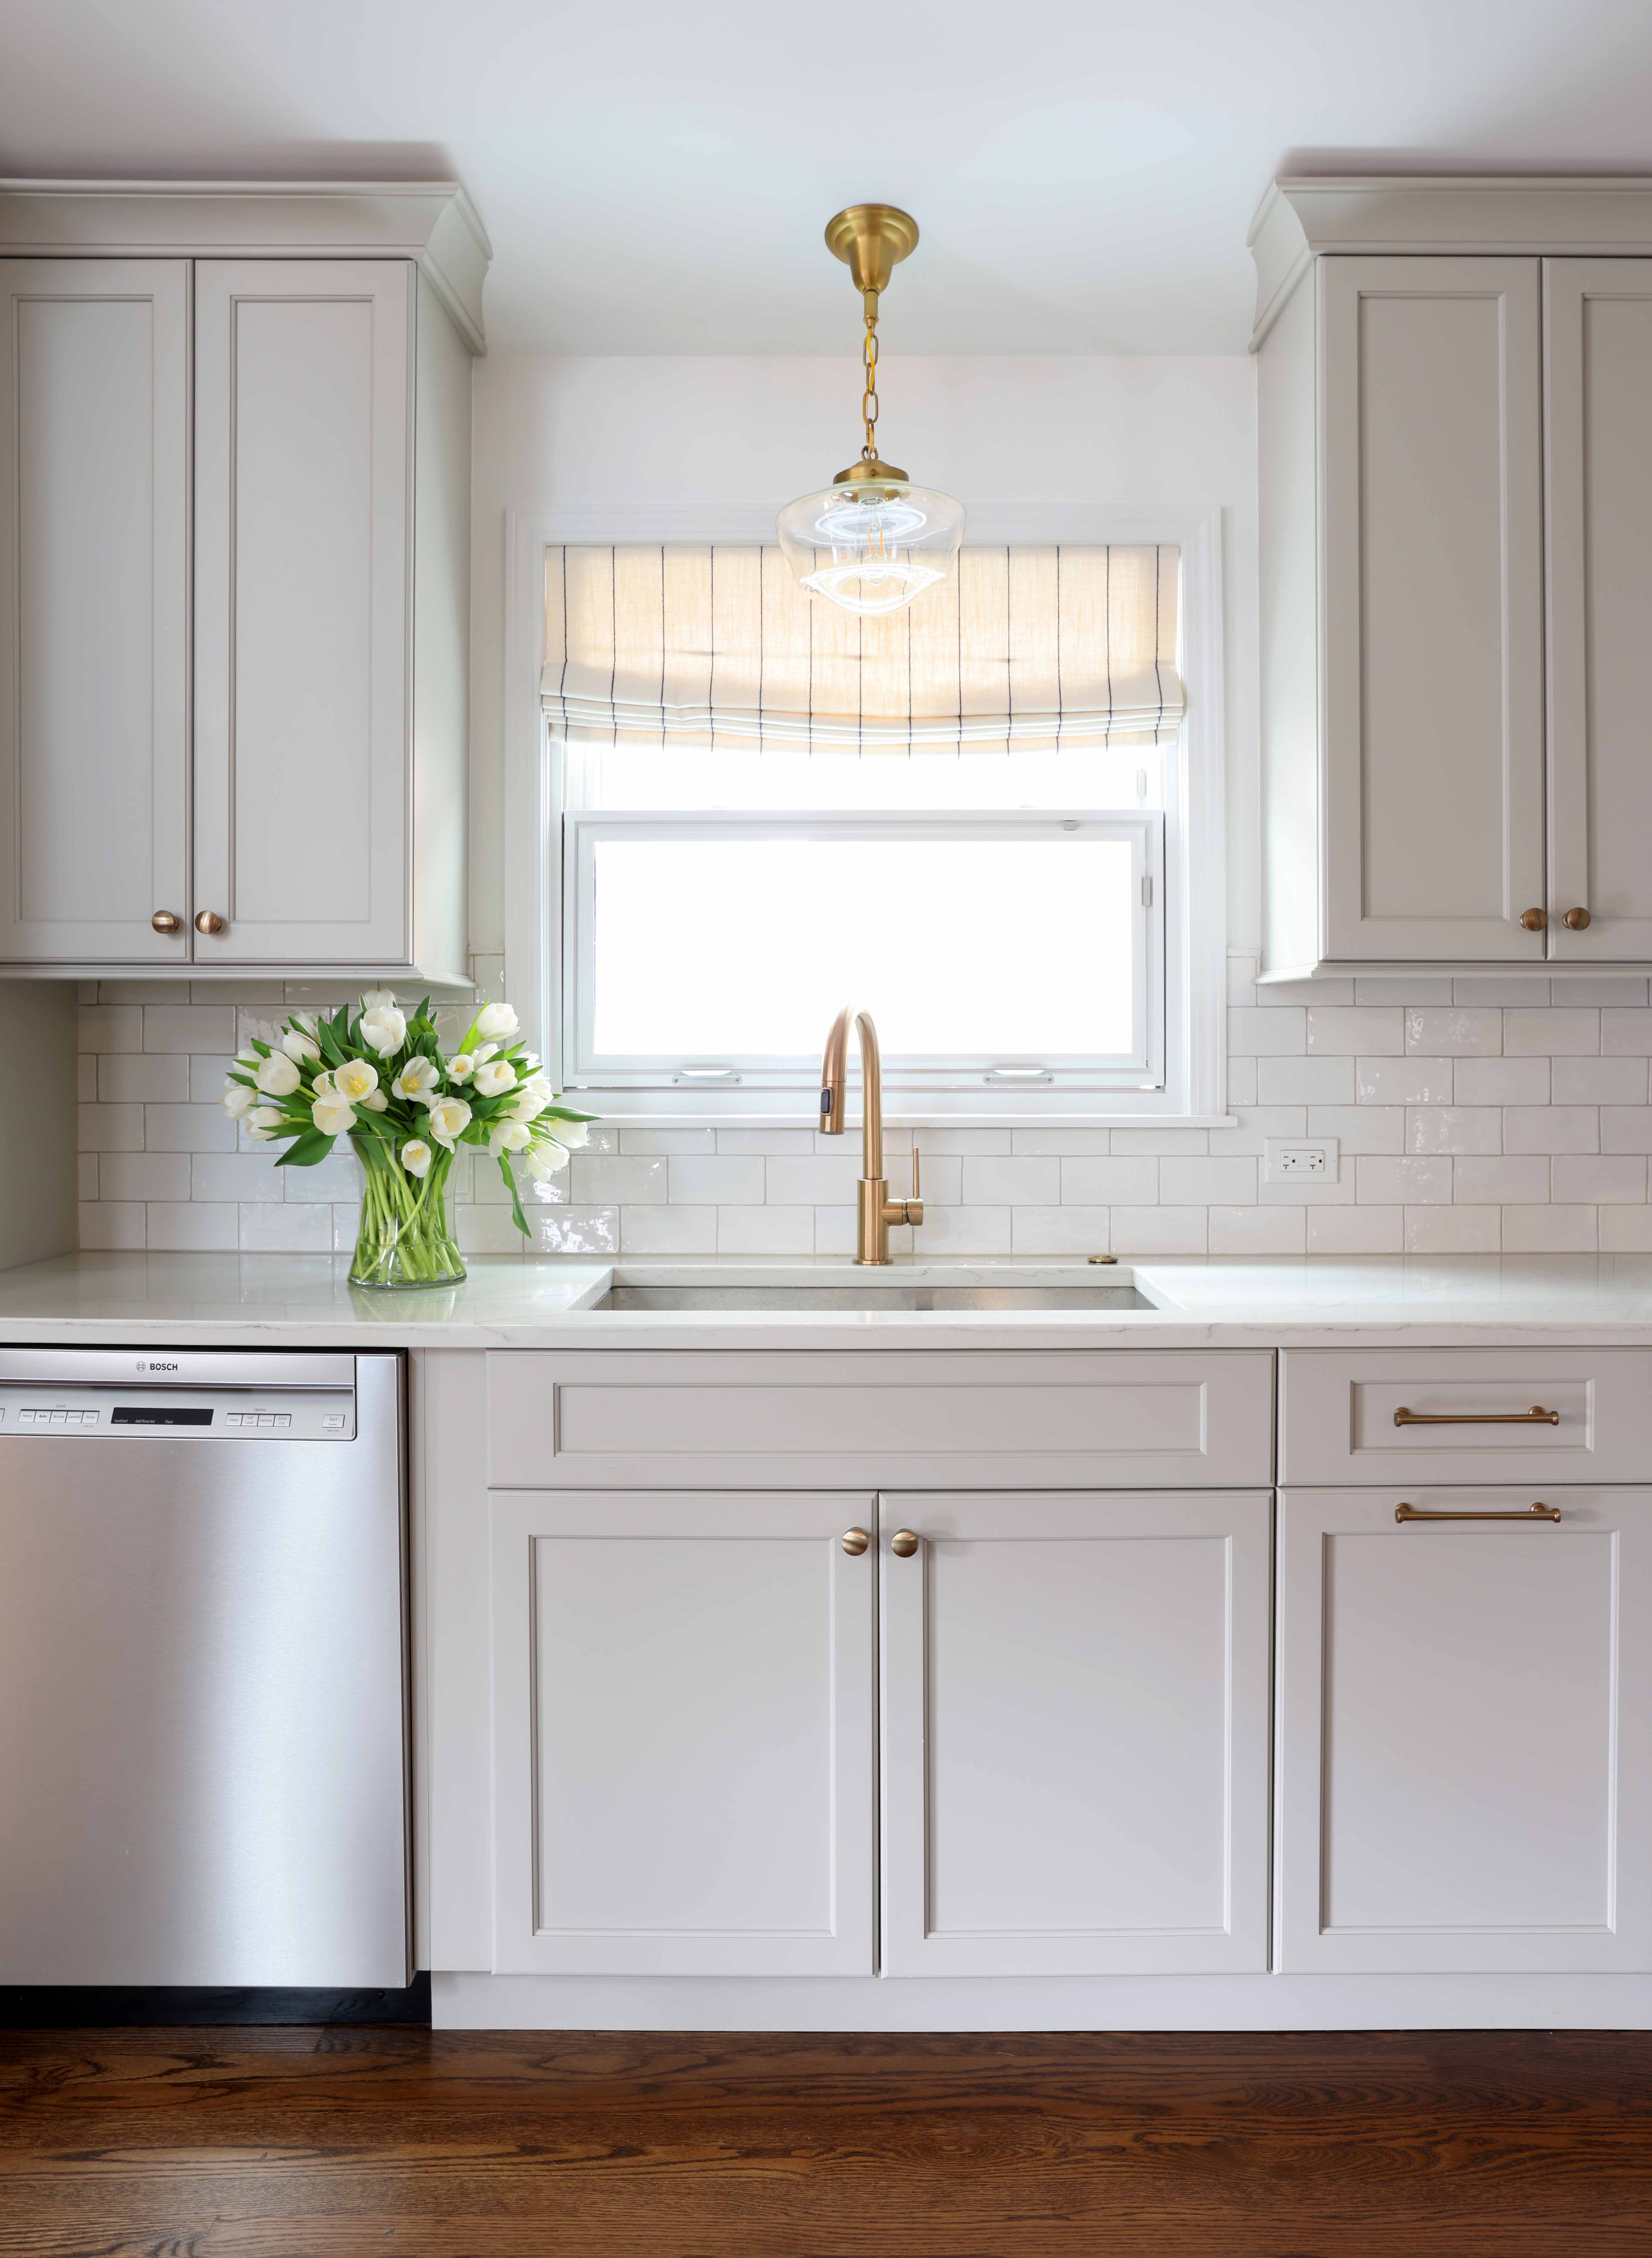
(871, 548)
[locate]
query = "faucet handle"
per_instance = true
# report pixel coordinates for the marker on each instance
(917, 1186)
(913, 1208)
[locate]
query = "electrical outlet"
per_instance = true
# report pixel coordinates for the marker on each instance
(1301, 1160)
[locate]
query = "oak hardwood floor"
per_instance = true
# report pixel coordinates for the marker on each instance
(282, 2143)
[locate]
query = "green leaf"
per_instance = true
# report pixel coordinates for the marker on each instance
(515, 1196)
(311, 1147)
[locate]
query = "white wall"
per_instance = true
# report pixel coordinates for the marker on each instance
(581, 433)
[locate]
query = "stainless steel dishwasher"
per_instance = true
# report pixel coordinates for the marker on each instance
(202, 1669)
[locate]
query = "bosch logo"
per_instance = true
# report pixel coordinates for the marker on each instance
(154, 1364)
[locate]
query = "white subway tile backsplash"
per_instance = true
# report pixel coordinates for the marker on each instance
(1113, 1182)
(1551, 1129)
(1306, 1082)
(765, 1231)
(193, 1227)
(1452, 1229)
(111, 1129)
(1498, 1181)
(722, 1179)
(1368, 1031)
(1592, 1178)
(1551, 1034)
(144, 1176)
(1208, 1183)
(1411, 1181)
(1404, 1082)
(189, 1129)
(1258, 1231)
(1501, 1082)
(237, 1177)
(1453, 1129)
(1358, 1128)
(1355, 1230)
(1434, 1034)
(668, 1230)
(1263, 1033)
(189, 1027)
(106, 1225)
(1600, 1082)
(604, 1179)
(1549, 1229)
(1059, 1231)
(1160, 1229)
(1420, 1078)
(1018, 1183)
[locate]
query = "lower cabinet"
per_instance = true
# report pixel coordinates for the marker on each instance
(1465, 1731)
(1074, 1759)
(683, 1737)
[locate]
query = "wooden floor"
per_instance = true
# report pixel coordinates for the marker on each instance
(280, 2143)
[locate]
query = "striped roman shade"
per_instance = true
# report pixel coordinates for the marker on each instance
(1028, 648)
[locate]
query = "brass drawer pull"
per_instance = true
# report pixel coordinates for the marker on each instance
(1404, 1513)
(903, 1544)
(854, 1541)
(1535, 1417)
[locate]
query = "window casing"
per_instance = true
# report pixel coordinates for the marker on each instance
(596, 800)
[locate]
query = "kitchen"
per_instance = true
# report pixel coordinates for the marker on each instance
(1062, 1447)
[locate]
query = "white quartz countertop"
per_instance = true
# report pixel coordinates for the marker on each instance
(306, 1301)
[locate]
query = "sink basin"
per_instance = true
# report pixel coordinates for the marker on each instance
(856, 1296)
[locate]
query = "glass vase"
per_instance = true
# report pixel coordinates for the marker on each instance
(404, 1238)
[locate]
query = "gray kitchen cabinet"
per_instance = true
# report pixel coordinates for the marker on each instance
(1454, 472)
(235, 593)
(94, 609)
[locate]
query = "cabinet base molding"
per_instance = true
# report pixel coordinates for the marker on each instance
(1041, 2003)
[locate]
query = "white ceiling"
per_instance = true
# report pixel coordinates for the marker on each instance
(655, 174)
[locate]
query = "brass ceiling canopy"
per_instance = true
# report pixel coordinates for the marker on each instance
(888, 540)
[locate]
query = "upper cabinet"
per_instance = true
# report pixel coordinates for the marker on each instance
(1455, 475)
(234, 587)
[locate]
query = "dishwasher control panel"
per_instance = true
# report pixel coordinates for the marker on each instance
(209, 1395)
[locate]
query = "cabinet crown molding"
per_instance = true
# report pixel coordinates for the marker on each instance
(431, 222)
(1571, 215)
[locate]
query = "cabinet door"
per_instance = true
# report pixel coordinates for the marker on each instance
(302, 525)
(94, 608)
(1597, 396)
(683, 1735)
(1465, 1732)
(1075, 1734)
(1433, 612)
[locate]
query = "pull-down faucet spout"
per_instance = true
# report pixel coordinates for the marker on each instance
(875, 1210)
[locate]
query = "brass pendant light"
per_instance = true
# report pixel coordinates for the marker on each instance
(872, 541)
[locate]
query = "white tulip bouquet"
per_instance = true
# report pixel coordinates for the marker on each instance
(375, 1076)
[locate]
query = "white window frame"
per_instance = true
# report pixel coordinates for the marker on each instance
(540, 959)
(960, 1078)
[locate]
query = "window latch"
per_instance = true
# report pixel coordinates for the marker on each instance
(1022, 1074)
(724, 1073)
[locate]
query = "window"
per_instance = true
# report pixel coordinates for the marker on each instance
(973, 817)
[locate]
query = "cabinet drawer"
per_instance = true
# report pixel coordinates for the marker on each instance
(1103, 1419)
(1387, 1416)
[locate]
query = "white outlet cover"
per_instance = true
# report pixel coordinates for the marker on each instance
(1279, 1153)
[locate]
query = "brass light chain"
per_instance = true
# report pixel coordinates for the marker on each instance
(869, 397)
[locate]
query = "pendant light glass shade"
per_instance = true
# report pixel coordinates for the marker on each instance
(871, 548)
(873, 541)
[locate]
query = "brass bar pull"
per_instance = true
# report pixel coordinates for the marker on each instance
(1404, 1513)
(854, 1541)
(1535, 1417)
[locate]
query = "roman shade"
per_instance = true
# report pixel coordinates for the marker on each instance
(1030, 649)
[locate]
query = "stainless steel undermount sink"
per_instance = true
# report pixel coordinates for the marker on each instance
(874, 1296)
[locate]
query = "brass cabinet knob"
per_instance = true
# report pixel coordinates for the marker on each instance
(854, 1541)
(209, 922)
(166, 921)
(903, 1544)
(1575, 921)
(1534, 921)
